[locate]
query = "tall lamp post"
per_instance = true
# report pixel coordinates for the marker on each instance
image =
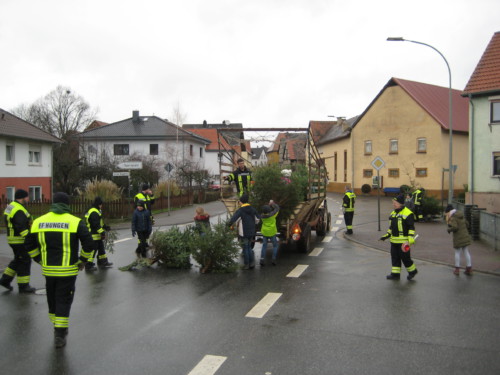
(450, 124)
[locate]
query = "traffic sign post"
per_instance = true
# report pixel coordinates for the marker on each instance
(169, 168)
(378, 163)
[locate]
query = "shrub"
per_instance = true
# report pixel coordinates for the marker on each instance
(405, 189)
(105, 189)
(172, 247)
(431, 206)
(216, 250)
(366, 188)
(162, 188)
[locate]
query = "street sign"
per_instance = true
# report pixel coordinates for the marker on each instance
(130, 165)
(169, 167)
(121, 174)
(378, 163)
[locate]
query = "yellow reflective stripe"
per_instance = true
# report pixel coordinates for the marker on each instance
(9, 272)
(33, 253)
(43, 247)
(23, 279)
(96, 237)
(15, 240)
(400, 224)
(396, 270)
(61, 321)
(104, 256)
(87, 255)
(52, 317)
(59, 271)
(66, 251)
(412, 268)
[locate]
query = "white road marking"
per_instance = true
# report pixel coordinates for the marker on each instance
(327, 239)
(297, 271)
(335, 229)
(339, 221)
(316, 251)
(208, 365)
(263, 306)
(123, 239)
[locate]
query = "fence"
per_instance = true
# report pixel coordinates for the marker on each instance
(483, 225)
(118, 209)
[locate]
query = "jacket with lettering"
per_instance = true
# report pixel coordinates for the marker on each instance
(348, 201)
(55, 239)
(401, 226)
(17, 221)
(95, 223)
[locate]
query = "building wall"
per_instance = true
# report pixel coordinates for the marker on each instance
(396, 116)
(341, 176)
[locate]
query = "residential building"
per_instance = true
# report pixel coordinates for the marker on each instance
(26, 160)
(259, 156)
(483, 91)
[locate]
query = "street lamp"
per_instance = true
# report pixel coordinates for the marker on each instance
(450, 124)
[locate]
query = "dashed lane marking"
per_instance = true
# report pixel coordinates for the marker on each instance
(335, 229)
(339, 221)
(316, 251)
(297, 271)
(263, 306)
(123, 239)
(327, 239)
(208, 365)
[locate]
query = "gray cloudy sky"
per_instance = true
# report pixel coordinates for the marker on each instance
(259, 62)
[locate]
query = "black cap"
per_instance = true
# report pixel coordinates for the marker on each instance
(244, 198)
(140, 203)
(448, 208)
(98, 201)
(400, 199)
(266, 209)
(145, 187)
(20, 194)
(61, 198)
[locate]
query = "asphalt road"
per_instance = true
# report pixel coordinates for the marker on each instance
(339, 316)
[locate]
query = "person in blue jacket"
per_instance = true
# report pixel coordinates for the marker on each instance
(142, 226)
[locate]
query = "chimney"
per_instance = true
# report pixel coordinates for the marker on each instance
(135, 118)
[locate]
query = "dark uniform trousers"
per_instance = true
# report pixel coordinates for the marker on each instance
(142, 247)
(398, 255)
(60, 293)
(20, 265)
(348, 216)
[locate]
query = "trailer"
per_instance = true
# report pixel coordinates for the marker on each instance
(309, 215)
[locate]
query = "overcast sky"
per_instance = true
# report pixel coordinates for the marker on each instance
(256, 62)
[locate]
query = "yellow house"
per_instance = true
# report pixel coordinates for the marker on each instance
(406, 126)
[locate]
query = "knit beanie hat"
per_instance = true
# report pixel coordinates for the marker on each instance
(145, 187)
(140, 203)
(61, 198)
(244, 198)
(98, 201)
(400, 199)
(448, 208)
(20, 194)
(266, 209)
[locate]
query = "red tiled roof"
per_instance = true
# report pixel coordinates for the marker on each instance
(211, 135)
(435, 100)
(320, 128)
(486, 76)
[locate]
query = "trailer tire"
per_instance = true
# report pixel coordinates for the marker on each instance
(322, 226)
(304, 244)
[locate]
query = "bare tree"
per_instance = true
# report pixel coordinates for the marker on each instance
(178, 117)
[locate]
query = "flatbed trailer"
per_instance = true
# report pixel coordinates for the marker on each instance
(310, 214)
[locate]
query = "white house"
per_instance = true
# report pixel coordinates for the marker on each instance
(26, 158)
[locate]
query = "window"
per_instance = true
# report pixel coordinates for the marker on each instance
(35, 155)
(368, 147)
(393, 172)
(190, 150)
(421, 172)
(120, 149)
(496, 164)
(201, 152)
(421, 145)
(393, 146)
(9, 153)
(10, 190)
(153, 149)
(367, 173)
(495, 112)
(35, 193)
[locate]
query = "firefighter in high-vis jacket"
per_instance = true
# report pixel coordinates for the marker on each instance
(97, 228)
(348, 207)
(54, 243)
(402, 234)
(417, 196)
(147, 197)
(242, 176)
(18, 222)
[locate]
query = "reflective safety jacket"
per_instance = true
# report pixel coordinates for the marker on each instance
(348, 201)
(17, 221)
(54, 243)
(417, 196)
(268, 228)
(401, 227)
(95, 223)
(146, 198)
(243, 179)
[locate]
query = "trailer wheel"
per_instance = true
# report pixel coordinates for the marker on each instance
(329, 222)
(304, 244)
(321, 227)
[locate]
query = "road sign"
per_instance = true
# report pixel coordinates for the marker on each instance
(378, 163)
(169, 167)
(130, 165)
(121, 174)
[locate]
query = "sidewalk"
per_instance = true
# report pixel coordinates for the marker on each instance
(433, 244)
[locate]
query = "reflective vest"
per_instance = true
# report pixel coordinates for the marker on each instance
(417, 197)
(58, 244)
(243, 180)
(269, 225)
(96, 233)
(14, 237)
(349, 200)
(401, 227)
(146, 198)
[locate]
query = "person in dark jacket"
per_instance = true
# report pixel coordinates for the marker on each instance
(242, 176)
(54, 243)
(142, 226)
(461, 238)
(18, 223)
(97, 228)
(249, 217)
(348, 207)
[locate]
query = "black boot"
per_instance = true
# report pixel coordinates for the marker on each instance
(90, 266)
(411, 274)
(393, 276)
(26, 288)
(104, 264)
(5, 282)
(60, 337)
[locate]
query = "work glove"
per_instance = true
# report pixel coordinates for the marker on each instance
(383, 238)
(133, 233)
